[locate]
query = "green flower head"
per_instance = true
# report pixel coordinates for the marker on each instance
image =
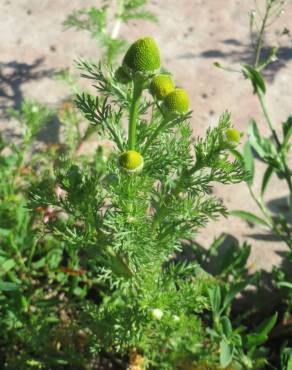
(142, 56)
(131, 161)
(233, 136)
(177, 102)
(122, 76)
(161, 85)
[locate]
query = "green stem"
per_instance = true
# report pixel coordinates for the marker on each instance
(267, 116)
(260, 38)
(155, 134)
(17, 295)
(278, 143)
(17, 255)
(262, 207)
(161, 213)
(33, 249)
(134, 111)
(21, 157)
(161, 127)
(268, 217)
(119, 264)
(117, 26)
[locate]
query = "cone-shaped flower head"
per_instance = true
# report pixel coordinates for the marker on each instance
(122, 76)
(131, 161)
(142, 56)
(161, 85)
(233, 135)
(177, 102)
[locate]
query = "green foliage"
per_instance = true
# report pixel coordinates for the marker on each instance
(274, 152)
(135, 9)
(96, 21)
(18, 226)
(255, 77)
(286, 359)
(123, 232)
(95, 249)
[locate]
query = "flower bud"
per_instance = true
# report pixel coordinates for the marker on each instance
(122, 76)
(177, 102)
(233, 136)
(131, 161)
(156, 314)
(142, 56)
(161, 85)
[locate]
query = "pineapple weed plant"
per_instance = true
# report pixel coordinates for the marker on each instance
(91, 273)
(100, 281)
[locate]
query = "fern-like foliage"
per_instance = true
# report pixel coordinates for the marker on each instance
(124, 230)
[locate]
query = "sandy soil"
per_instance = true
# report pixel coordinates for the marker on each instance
(192, 35)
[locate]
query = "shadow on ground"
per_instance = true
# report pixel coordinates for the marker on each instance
(278, 207)
(242, 53)
(13, 75)
(229, 257)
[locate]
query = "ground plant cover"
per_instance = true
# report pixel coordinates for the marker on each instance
(99, 264)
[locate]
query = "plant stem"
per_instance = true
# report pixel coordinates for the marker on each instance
(20, 160)
(19, 297)
(155, 134)
(118, 23)
(262, 207)
(161, 127)
(134, 111)
(267, 116)
(260, 38)
(116, 29)
(278, 143)
(269, 219)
